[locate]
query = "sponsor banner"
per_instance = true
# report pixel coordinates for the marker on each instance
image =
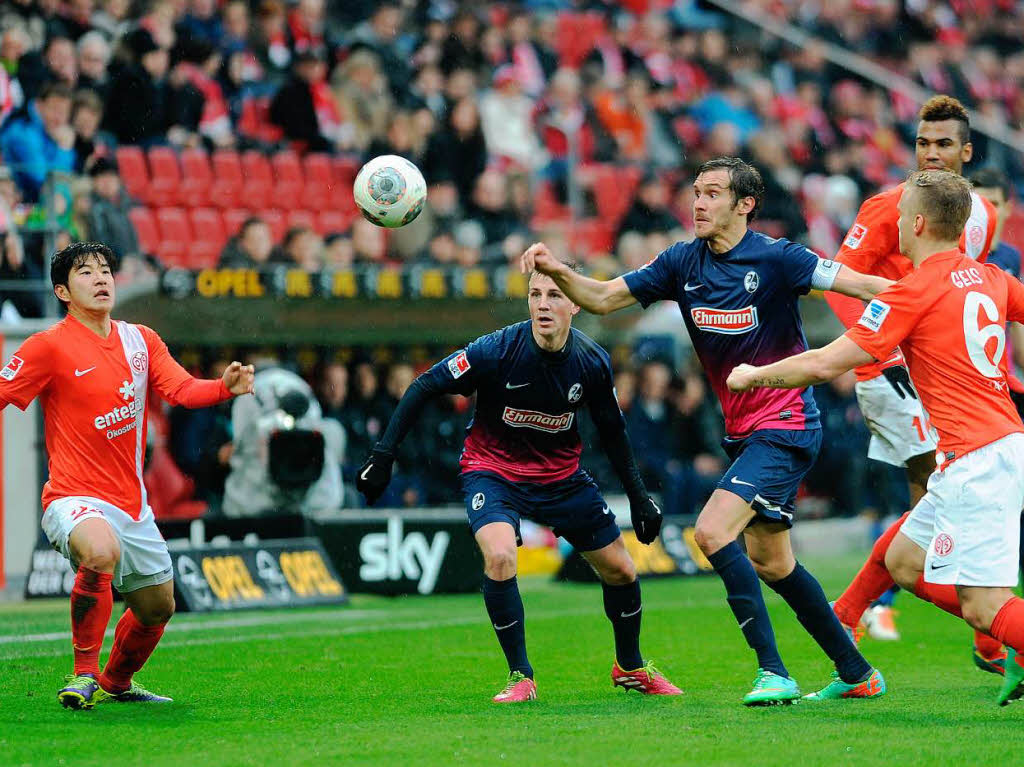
(411, 282)
(281, 573)
(403, 552)
(50, 575)
(675, 553)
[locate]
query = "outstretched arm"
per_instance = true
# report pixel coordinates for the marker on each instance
(811, 367)
(857, 285)
(596, 296)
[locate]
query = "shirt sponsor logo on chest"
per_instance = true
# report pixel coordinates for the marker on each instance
(727, 321)
(533, 419)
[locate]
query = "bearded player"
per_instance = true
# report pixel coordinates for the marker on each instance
(900, 431)
(91, 375)
(958, 548)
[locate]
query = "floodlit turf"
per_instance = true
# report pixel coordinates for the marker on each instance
(408, 682)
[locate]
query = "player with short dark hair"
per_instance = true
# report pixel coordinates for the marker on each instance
(521, 459)
(92, 376)
(958, 547)
(737, 291)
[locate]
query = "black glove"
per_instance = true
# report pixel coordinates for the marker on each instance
(899, 379)
(374, 475)
(646, 518)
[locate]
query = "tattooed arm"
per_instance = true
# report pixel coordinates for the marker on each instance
(812, 367)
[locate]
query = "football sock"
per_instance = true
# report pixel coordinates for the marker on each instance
(743, 591)
(91, 603)
(887, 598)
(133, 644)
(989, 647)
(505, 608)
(871, 582)
(1008, 626)
(942, 596)
(623, 607)
(803, 594)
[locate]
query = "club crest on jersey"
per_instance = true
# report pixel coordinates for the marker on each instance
(856, 236)
(751, 281)
(533, 419)
(478, 501)
(12, 367)
(976, 236)
(874, 315)
(727, 321)
(140, 360)
(575, 392)
(458, 364)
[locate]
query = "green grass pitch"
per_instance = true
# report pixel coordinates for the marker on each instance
(407, 682)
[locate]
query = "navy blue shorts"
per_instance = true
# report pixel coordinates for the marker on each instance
(767, 469)
(573, 508)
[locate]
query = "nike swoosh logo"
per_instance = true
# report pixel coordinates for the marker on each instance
(516, 386)
(741, 482)
(365, 472)
(502, 628)
(630, 615)
(939, 567)
(688, 287)
(83, 372)
(746, 621)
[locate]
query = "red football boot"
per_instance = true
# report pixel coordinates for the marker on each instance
(519, 689)
(646, 679)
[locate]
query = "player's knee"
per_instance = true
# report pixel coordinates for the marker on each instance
(102, 556)
(977, 615)
(903, 571)
(709, 538)
(770, 571)
(500, 564)
(156, 614)
(619, 574)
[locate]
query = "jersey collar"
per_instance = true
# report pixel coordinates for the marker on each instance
(553, 357)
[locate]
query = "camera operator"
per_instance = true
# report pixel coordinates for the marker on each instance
(287, 456)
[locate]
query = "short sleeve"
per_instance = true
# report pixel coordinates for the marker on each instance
(888, 319)
(804, 271)
(657, 280)
(874, 234)
(165, 374)
(26, 373)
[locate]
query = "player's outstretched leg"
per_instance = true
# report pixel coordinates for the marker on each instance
(870, 583)
(497, 541)
(94, 546)
(718, 526)
(135, 638)
(624, 608)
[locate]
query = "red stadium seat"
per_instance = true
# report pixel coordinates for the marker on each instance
(320, 182)
(577, 35)
(304, 218)
(168, 490)
(258, 187)
(233, 220)
(145, 227)
(345, 170)
(289, 183)
(276, 221)
(228, 180)
(131, 166)
(255, 123)
(175, 236)
(592, 237)
(613, 190)
(197, 178)
(333, 222)
(164, 175)
(546, 207)
(210, 238)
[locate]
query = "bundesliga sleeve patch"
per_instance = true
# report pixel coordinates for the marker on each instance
(11, 369)
(856, 236)
(874, 315)
(458, 364)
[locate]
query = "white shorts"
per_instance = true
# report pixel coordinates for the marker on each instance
(899, 427)
(968, 522)
(144, 558)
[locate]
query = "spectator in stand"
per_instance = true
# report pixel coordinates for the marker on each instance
(93, 58)
(530, 58)
(112, 19)
(363, 97)
(40, 139)
(13, 262)
(364, 416)
(490, 209)
(461, 50)
(368, 242)
(201, 66)
(90, 142)
(379, 34)
(458, 151)
(304, 107)
(778, 216)
(428, 90)
(270, 41)
(55, 63)
(202, 23)
(14, 44)
(506, 117)
(649, 212)
(995, 187)
(697, 426)
(108, 216)
(251, 248)
(612, 59)
(338, 251)
(303, 247)
(332, 389)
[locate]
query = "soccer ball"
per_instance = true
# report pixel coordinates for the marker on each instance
(390, 191)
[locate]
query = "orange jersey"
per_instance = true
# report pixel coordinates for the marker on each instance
(872, 246)
(949, 317)
(93, 393)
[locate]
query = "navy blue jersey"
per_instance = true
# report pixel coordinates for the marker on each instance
(524, 427)
(741, 306)
(1007, 258)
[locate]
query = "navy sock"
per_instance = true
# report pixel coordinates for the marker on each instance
(505, 608)
(747, 603)
(623, 608)
(803, 593)
(887, 598)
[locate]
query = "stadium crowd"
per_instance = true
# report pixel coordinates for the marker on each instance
(580, 122)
